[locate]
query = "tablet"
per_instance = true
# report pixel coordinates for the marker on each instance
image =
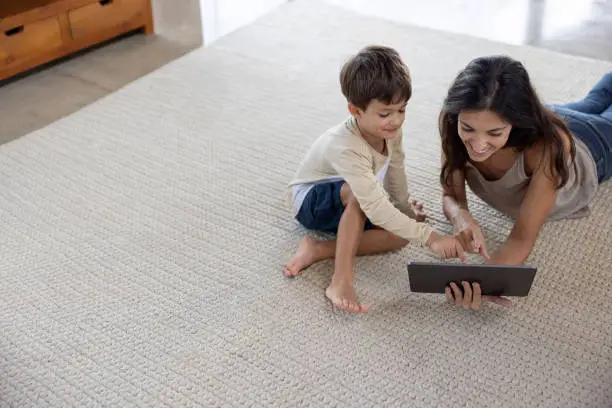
(494, 280)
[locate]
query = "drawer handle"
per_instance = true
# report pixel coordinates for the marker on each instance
(105, 2)
(13, 31)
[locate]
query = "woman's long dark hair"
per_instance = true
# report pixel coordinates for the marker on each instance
(501, 85)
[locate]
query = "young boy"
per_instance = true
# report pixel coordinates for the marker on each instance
(352, 180)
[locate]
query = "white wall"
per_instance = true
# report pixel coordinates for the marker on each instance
(220, 17)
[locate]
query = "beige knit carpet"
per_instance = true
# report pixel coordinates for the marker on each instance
(143, 238)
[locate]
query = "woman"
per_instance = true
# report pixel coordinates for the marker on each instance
(532, 162)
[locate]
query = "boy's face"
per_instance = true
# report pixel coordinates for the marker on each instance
(379, 120)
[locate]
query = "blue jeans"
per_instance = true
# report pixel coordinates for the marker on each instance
(590, 120)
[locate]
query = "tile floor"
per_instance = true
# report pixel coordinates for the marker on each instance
(578, 27)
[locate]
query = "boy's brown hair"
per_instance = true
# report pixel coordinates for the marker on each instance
(375, 72)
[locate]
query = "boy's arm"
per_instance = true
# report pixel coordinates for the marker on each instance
(396, 182)
(356, 170)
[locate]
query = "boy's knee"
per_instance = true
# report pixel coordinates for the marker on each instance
(347, 197)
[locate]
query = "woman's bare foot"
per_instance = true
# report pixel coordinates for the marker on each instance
(306, 254)
(343, 296)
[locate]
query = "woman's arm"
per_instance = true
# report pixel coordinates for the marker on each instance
(454, 198)
(535, 208)
(455, 207)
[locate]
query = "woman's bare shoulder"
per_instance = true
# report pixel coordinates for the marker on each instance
(544, 150)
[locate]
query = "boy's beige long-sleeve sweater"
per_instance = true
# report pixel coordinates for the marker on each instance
(342, 152)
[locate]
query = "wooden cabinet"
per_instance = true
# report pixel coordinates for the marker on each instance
(105, 15)
(25, 40)
(34, 32)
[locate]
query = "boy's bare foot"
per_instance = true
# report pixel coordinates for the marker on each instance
(342, 295)
(306, 255)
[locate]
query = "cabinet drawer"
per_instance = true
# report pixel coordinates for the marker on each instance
(30, 40)
(104, 15)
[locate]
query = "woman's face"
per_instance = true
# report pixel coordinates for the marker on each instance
(483, 133)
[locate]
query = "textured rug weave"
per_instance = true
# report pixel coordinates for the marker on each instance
(143, 240)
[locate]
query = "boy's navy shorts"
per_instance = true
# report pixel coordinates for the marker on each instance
(322, 208)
